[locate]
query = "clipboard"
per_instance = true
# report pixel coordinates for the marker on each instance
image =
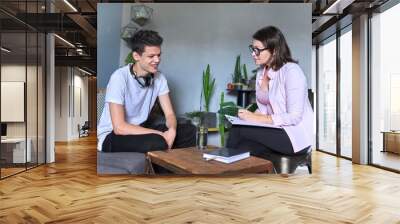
(237, 121)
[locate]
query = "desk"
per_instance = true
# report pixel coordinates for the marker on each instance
(391, 141)
(16, 147)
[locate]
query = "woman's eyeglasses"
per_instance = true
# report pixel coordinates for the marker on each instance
(255, 50)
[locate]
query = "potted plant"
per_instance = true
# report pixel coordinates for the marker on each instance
(208, 118)
(237, 73)
(208, 87)
(239, 76)
(221, 122)
(245, 77)
(205, 118)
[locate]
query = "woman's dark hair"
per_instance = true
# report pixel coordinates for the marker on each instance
(275, 42)
(145, 38)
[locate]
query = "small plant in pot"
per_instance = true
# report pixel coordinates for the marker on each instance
(205, 118)
(239, 76)
(209, 118)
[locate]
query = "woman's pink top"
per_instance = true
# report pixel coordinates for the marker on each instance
(286, 100)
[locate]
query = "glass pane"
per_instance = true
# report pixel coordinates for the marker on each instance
(41, 99)
(32, 84)
(13, 84)
(22, 79)
(385, 86)
(327, 96)
(31, 97)
(346, 94)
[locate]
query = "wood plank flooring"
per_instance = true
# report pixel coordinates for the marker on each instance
(69, 191)
(387, 159)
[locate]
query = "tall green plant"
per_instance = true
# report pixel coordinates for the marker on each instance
(240, 71)
(225, 108)
(221, 121)
(245, 77)
(208, 87)
(237, 73)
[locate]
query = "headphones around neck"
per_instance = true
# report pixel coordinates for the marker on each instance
(145, 81)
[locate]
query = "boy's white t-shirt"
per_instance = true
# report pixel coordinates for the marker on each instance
(137, 100)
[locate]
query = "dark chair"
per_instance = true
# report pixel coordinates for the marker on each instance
(84, 130)
(288, 164)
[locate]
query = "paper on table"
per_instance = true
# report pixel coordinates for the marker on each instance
(238, 121)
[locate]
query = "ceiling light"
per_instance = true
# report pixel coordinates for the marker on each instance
(337, 7)
(65, 41)
(84, 71)
(70, 5)
(5, 50)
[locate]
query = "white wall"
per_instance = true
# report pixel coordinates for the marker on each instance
(198, 34)
(80, 110)
(211, 33)
(17, 73)
(33, 126)
(71, 93)
(61, 103)
(14, 72)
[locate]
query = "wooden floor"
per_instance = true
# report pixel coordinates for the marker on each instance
(10, 171)
(69, 191)
(386, 159)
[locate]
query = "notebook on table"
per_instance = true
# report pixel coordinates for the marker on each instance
(226, 155)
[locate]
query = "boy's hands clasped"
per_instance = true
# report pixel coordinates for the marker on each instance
(169, 137)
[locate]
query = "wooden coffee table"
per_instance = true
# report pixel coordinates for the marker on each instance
(190, 161)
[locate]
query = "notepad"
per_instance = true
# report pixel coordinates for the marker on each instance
(226, 155)
(237, 121)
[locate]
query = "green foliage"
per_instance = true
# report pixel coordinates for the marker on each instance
(208, 87)
(221, 122)
(225, 108)
(237, 73)
(240, 72)
(245, 72)
(252, 107)
(129, 59)
(228, 108)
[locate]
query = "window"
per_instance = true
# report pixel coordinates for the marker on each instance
(327, 96)
(385, 88)
(346, 92)
(22, 66)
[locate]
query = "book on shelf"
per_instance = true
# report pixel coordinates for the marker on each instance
(226, 155)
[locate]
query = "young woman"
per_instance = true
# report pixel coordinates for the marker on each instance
(281, 95)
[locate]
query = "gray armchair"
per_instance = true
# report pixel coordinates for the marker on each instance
(118, 162)
(121, 163)
(126, 162)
